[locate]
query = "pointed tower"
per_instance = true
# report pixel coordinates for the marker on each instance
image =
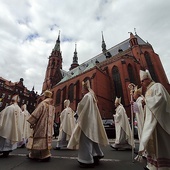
(105, 51)
(75, 60)
(53, 72)
(103, 44)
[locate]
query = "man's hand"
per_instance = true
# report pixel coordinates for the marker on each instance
(32, 126)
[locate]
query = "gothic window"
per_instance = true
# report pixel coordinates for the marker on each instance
(131, 74)
(78, 91)
(71, 92)
(58, 96)
(117, 82)
(150, 66)
(53, 63)
(58, 62)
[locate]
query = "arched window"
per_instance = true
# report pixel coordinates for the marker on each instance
(58, 97)
(78, 92)
(131, 74)
(150, 66)
(117, 82)
(53, 63)
(71, 92)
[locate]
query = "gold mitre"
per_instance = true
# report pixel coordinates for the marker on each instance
(137, 91)
(118, 100)
(144, 75)
(48, 93)
(66, 103)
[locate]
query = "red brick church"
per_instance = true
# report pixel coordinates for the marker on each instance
(110, 73)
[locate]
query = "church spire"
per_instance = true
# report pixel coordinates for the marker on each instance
(75, 59)
(57, 45)
(103, 44)
(53, 71)
(105, 51)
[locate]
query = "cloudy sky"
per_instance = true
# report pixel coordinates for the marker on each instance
(29, 29)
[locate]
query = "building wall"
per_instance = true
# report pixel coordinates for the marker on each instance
(103, 90)
(8, 89)
(106, 85)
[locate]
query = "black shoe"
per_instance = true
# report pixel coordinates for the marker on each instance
(22, 146)
(144, 157)
(100, 157)
(5, 154)
(97, 159)
(29, 157)
(83, 165)
(57, 148)
(33, 159)
(135, 152)
(145, 168)
(113, 147)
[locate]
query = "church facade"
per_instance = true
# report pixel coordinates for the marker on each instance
(109, 73)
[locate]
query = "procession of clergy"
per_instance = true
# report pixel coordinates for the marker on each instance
(83, 130)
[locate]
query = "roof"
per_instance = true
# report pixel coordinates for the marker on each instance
(7, 82)
(101, 57)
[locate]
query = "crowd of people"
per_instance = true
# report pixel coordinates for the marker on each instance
(83, 129)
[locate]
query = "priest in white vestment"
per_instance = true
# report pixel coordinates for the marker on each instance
(41, 120)
(124, 139)
(67, 125)
(11, 121)
(138, 109)
(156, 130)
(89, 132)
(27, 131)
